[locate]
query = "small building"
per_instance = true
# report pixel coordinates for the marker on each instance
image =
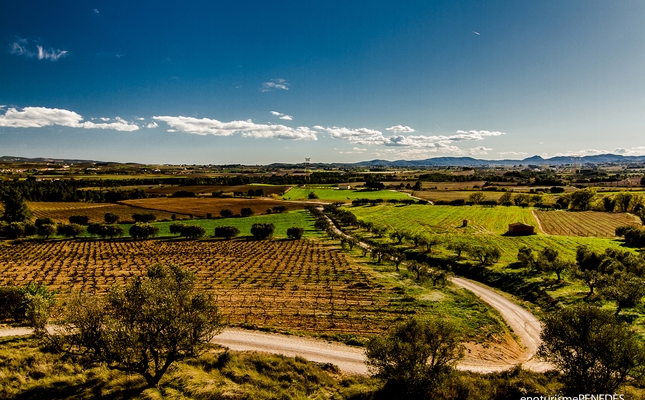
(519, 229)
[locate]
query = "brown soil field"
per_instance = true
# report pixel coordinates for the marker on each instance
(61, 211)
(202, 205)
(297, 285)
(449, 195)
(583, 223)
(208, 189)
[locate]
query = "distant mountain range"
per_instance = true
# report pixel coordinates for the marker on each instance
(535, 160)
(429, 162)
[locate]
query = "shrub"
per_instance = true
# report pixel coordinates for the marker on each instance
(226, 213)
(193, 231)
(143, 231)
(111, 218)
(144, 217)
(226, 231)
(79, 219)
(262, 231)
(184, 193)
(295, 232)
(70, 230)
(246, 212)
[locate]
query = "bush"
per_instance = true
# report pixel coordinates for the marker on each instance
(246, 212)
(262, 231)
(176, 228)
(143, 231)
(11, 303)
(192, 231)
(144, 217)
(70, 230)
(184, 193)
(295, 232)
(111, 218)
(226, 231)
(79, 219)
(44, 221)
(226, 213)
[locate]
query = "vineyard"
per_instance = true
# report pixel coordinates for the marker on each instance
(208, 189)
(61, 212)
(584, 223)
(204, 205)
(304, 285)
(328, 194)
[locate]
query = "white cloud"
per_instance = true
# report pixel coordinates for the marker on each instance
(357, 136)
(582, 153)
(634, 151)
(400, 129)
(282, 116)
(206, 126)
(513, 153)
(96, 11)
(152, 125)
(38, 117)
(31, 48)
(273, 84)
(355, 150)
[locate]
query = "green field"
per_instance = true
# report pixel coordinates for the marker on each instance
(486, 226)
(327, 194)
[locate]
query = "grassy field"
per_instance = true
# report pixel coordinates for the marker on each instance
(285, 285)
(203, 205)
(584, 223)
(486, 226)
(326, 194)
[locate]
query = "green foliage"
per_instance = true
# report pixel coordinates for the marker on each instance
(416, 356)
(226, 213)
(227, 232)
(15, 208)
(111, 218)
(246, 211)
(192, 231)
(142, 327)
(595, 352)
(70, 230)
(47, 230)
(262, 231)
(144, 217)
(31, 303)
(79, 219)
(582, 199)
(143, 231)
(295, 232)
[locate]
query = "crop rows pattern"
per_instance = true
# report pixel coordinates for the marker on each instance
(300, 285)
(61, 211)
(584, 223)
(203, 205)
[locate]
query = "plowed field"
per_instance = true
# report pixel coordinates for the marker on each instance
(583, 223)
(200, 206)
(61, 211)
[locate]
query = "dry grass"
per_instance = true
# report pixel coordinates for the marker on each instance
(201, 206)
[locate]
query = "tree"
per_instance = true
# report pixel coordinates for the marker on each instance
(193, 231)
(595, 352)
(79, 219)
(246, 211)
(549, 261)
(176, 228)
(144, 217)
(625, 288)
(111, 218)
(581, 199)
(142, 327)
(415, 356)
(262, 231)
(487, 255)
(295, 232)
(46, 230)
(526, 258)
(312, 196)
(506, 199)
(70, 230)
(226, 213)
(476, 198)
(226, 231)
(15, 208)
(143, 231)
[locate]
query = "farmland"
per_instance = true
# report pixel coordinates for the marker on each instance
(583, 223)
(209, 189)
(327, 194)
(201, 206)
(306, 285)
(61, 211)
(486, 226)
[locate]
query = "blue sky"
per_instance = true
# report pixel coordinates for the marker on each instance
(256, 82)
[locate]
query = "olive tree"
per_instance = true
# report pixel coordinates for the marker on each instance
(415, 356)
(144, 326)
(595, 352)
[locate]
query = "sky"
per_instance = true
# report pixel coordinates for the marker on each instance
(257, 82)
